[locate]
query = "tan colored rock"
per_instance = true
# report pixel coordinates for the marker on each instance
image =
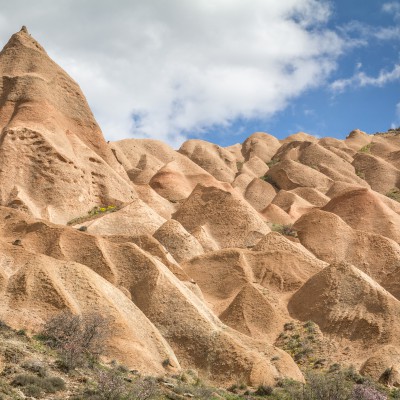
(300, 137)
(39, 287)
(163, 298)
(384, 366)
(328, 237)
(236, 151)
(347, 303)
(150, 245)
(171, 174)
(276, 215)
(357, 139)
(174, 185)
(289, 175)
(180, 243)
(313, 196)
(340, 188)
(232, 281)
(322, 160)
(362, 209)
(172, 307)
(259, 193)
(255, 167)
(380, 174)
(241, 182)
(228, 219)
(218, 161)
(338, 147)
(204, 237)
(137, 218)
(262, 145)
(159, 204)
(54, 161)
(294, 205)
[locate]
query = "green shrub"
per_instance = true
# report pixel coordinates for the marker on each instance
(32, 391)
(360, 174)
(273, 162)
(35, 384)
(264, 390)
(394, 194)
(366, 148)
(35, 366)
(286, 230)
(270, 180)
(26, 379)
(54, 384)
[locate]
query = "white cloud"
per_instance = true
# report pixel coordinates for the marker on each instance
(392, 8)
(360, 79)
(181, 66)
(359, 34)
(398, 109)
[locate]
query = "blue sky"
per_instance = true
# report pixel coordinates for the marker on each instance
(322, 111)
(220, 70)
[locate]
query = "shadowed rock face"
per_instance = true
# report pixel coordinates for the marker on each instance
(201, 255)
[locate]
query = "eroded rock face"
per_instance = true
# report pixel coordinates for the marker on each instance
(346, 302)
(54, 161)
(184, 260)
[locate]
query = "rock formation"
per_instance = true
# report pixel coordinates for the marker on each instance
(202, 256)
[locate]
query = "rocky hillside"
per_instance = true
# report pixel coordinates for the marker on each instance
(201, 258)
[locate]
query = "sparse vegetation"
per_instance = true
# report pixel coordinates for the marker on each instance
(273, 162)
(314, 166)
(360, 174)
(79, 339)
(300, 341)
(366, 148)
(93, 213)
(264, 390)
(36, 386)
(35, 374)
(394, 194)
(286, 230)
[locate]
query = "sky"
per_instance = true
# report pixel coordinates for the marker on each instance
(219, 70)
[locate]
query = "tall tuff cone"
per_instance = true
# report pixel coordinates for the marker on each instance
(54, 161)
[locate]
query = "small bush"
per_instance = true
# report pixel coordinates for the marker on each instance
(360, 174)
(4, 326)
(25, 379)
(334, 368)
(35, 366)
(32, 391)
(110, 385)
(144, 389)
(233, 388)
(273, 162)
(394, 194)
(80, 339)
(270, 180)
(327, 386)
(309, 326)
(54, 384)
(289, 326)
(361, 392)
(286, 230)
(366, 148)
(264, 390)
(35, 384)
